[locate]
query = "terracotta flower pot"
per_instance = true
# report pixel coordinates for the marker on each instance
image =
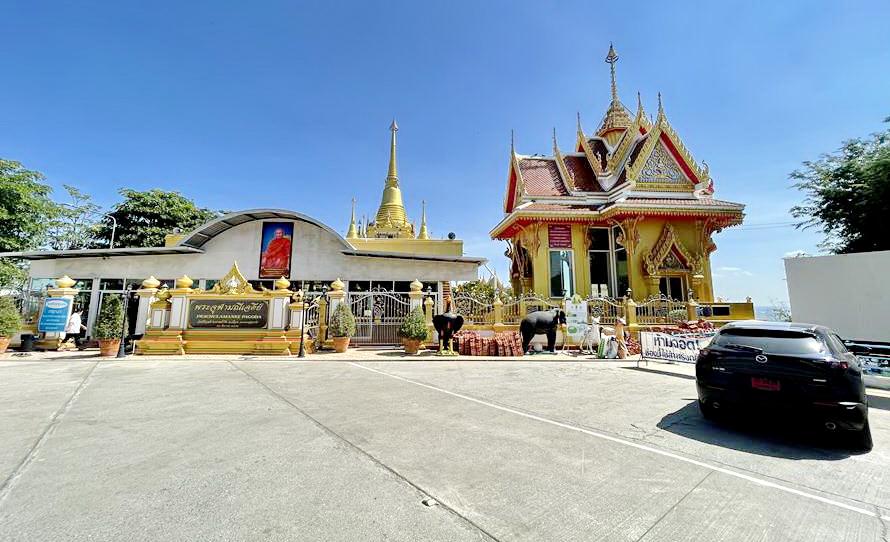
(4, 343)
(412, 346)
(341, 344)
(109, 347)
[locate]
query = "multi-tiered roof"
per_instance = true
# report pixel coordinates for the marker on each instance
(629, 166)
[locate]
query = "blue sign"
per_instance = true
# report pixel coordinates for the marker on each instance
(54, 316)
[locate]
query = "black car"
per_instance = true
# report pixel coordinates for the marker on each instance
(784, 368)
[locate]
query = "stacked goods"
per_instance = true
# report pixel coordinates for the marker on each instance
(471, 343)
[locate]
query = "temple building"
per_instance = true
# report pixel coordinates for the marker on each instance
(269, 244)
(627, 208)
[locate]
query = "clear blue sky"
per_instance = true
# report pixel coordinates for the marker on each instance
(287, 104)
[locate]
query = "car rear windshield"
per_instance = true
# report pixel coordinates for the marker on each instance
(786, 343)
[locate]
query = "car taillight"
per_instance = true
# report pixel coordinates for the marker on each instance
(840, 365)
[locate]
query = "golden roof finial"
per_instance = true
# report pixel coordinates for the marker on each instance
(617, 117)
(512, 142)
(611, 59)
(580, 131)
(641, 113)
(352, 233)
(424, 232)
(660, 107)
(555, 146)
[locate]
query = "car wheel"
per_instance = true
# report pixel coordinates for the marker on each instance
(709, 412)
(861, 440)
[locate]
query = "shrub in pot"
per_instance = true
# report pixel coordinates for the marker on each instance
(109, 324)
(10, 322)
(342, 327)
(413, 330)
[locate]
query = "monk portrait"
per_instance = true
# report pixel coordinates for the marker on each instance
(275, 259)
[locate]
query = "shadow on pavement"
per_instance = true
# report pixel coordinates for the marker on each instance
(874, 401)
(768, 437)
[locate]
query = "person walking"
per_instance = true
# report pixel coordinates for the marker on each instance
(75, 328)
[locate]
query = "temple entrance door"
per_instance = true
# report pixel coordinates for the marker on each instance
(378, 316)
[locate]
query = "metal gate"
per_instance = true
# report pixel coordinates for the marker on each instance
(378, 316)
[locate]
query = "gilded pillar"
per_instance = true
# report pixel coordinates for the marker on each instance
(146, 296)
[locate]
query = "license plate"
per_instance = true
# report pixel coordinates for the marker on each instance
(765, 384)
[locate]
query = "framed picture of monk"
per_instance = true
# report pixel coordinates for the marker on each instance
(275, 249)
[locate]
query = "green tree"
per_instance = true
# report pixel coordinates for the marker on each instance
(76, 224)
(847, 195)
(144, 218)
(25, 214)
(25, 207)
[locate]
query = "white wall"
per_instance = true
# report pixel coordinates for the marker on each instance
(849, 293)
(317, 255)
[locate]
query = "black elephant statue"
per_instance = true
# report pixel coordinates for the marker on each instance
(447, 324)
(545, 322)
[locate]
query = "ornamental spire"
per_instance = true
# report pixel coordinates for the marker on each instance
(617, 118)
(392, 178)
(611, 59)
(352, 233)
(424, 232)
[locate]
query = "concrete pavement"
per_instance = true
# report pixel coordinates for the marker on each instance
(349, 450)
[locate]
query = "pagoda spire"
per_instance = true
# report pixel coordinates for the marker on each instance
(352, 233)
(617, 118)
(424, 232)
(392, 178)
(391, 219)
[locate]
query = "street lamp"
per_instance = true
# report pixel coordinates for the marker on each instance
(122, 349)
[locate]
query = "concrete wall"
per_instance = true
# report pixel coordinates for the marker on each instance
(847, 292)
(317, 255)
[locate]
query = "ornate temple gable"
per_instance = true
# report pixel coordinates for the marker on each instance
(514, 185)
(669, 254)
(660, 171)
(661, 159)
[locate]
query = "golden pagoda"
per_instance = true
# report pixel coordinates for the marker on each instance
(391, 230)
(391, 220)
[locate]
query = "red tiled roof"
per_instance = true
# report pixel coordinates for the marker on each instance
(540, 176)
(582, 174)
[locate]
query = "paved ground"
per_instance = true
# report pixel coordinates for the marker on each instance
(344, 450)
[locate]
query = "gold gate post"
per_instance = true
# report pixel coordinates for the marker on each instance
(428, 316)
(498, 323)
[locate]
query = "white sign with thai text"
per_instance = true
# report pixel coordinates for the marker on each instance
(671, 347)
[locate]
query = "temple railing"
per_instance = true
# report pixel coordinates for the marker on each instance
(661, 310)
(606, 309)
(475, 311)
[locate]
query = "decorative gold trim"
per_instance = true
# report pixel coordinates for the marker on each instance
(233, 283)
(653, 259)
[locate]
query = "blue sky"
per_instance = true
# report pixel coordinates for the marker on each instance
(287, 104)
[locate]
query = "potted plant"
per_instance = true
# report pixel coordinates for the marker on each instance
(10, 322)
(413, 330)
(109, 324)
(342, 327)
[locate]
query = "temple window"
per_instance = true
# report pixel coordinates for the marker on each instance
(562, 278)
(608, 263)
